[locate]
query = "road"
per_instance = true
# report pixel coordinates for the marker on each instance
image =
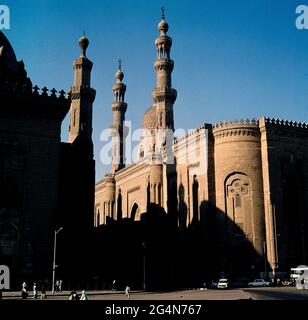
(283, 293)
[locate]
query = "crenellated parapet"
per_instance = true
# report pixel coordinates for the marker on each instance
(283, 123)
(236, 128)
(284, 128)
(54, 94)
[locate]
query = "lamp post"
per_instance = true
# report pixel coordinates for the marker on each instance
(54, 260)
(144, 280)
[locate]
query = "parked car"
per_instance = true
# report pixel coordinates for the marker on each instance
(223, 284)
(287, 283)
(259, 283)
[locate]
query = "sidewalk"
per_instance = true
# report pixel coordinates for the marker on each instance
(15, 294)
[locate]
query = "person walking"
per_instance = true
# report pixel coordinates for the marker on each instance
(43, 292)
(84, 296)
(127, 291)
(24, 292)
(34, 291)
(57, 286)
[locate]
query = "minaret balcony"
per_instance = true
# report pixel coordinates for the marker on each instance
(119, 106)
(164, 64)
(84, 91)
(164, 94)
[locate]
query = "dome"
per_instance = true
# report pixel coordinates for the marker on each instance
(7, 54)
(163, 26)
(149, 118)
(84, 43)
(119, 75)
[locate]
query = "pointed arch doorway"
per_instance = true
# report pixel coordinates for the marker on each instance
(135, 212)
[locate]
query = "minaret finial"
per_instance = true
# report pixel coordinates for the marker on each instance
(83, 33)
(119, 74)
(83, 43)
(163, 12)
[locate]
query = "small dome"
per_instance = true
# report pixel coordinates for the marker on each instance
(149, 118)
(84, 43)
(163, 26)
(119, 75)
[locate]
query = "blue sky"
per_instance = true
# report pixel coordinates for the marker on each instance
(233, 59)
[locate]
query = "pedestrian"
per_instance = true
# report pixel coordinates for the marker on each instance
(24, 285)
(34, 291)
(24, 292)
(43, 292)
(84, 296)
(127, 291)
(57, 286)
(113, 285)
(73, 296)
(60, 285)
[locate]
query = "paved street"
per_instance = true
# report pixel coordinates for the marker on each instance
(284, 293)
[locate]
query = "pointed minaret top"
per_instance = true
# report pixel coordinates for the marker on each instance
(83, 43)
(119, 74)
(163, 26)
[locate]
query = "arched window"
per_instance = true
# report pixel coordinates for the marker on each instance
(119, 206)
(134, 212)
(74, 118)
(98, 218)
(159, 194)
(195, 193)
(238, 199)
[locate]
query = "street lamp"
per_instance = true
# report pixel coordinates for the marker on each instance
(144, 283)
(54, 260)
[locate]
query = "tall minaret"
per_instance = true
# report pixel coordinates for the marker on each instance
(119, 108)
(164, 95)
(82, 95)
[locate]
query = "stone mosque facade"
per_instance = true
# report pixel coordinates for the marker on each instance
(243, 185)
(249, 178)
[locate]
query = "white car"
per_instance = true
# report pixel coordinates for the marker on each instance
(259, 283)
(223, 284)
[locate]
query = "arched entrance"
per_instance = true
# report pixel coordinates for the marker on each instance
(135, 214)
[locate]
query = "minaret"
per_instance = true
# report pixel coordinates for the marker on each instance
(164, 95)
(82, 95)
(119, 108)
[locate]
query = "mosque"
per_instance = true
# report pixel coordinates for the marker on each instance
(246, 181)
(233, 194)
